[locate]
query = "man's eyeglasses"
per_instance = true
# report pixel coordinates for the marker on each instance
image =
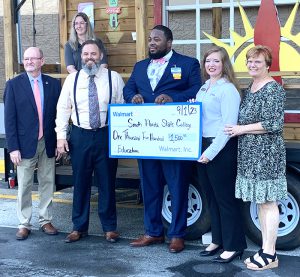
(31, 59)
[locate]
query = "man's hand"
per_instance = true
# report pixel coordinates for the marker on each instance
(137, 99)
(57, 155)
(15, 157)
(162, 99)
(62, 147)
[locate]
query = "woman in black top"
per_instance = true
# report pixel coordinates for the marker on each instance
(81, 31)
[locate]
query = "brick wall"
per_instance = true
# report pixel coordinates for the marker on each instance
(47, 35)
(47, 38)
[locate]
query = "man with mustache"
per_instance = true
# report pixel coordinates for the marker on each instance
(165, 76)
(84, 98)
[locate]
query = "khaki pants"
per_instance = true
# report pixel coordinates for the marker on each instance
(46, 180)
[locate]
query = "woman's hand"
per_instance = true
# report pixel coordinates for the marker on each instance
(203, 159)
(234, 130)
(71, 68)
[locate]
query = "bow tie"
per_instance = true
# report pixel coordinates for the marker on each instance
(160, 61)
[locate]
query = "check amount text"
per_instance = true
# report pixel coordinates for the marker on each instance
(163, 123)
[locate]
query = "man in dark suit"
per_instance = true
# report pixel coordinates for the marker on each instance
(165, 76)
(30, 109)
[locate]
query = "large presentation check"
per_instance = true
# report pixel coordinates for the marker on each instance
(150, 131)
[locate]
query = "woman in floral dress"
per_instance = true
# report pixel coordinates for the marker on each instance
(261, 174)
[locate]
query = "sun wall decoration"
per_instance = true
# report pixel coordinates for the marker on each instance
(268, 32)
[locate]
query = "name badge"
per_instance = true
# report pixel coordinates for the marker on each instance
(176, 72)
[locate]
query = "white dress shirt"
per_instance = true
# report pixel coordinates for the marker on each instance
(66, 106)
(220, 106)
(156, 70)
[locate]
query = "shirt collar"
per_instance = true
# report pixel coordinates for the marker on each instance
(98, 74)
(219, 82)
(168, 56)
(31, 79)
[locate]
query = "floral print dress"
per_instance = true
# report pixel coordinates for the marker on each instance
(261, 157)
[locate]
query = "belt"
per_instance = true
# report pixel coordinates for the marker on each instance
(91, 130)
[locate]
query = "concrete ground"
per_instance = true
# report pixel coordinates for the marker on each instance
(42, 255)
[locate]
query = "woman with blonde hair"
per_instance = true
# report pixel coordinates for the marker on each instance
(261, 176)
(217, 165)
(81, 30)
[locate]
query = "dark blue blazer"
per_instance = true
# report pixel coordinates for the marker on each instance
(21, 116)
(180, 90)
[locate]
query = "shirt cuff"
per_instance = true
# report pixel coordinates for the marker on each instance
(209, 154)
(61, 135)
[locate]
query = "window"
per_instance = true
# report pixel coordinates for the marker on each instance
(188, 19)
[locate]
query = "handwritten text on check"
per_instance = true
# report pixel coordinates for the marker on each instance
(171, 131)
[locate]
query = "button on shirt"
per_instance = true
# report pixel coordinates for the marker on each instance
(156, 70)
(66, 105)
(220, 106)
(41, 87)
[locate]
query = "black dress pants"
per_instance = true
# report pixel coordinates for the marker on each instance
(155, 175)
(218, 179)
(89, 154)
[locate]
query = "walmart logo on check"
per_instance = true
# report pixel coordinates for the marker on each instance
(122, 114)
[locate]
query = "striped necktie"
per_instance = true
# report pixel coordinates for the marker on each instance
(94, 110)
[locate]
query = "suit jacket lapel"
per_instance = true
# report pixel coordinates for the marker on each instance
(145, 73)
(28, 90)
(46, 92)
